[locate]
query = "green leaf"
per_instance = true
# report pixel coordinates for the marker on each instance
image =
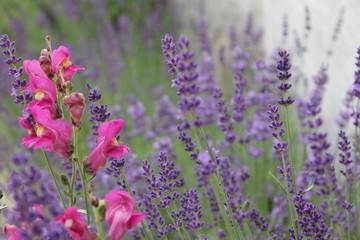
(278, 182)
(310, 186)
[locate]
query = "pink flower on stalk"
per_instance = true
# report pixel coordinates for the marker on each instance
(107, 145)
(33, 69)
(54, 135)
(76, 224)
(75, 103)
(61, 59)
(43, 88)
(120, 213)
(11, 230)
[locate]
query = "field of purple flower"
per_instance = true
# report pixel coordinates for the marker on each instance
(115, 129)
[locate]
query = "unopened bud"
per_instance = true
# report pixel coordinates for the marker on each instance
(48, 42)
(67, 85)
(87, 166)
(64, 180)
(102, 209)
(94, 201)
(70, 149)
(75, 103)
(45, 62)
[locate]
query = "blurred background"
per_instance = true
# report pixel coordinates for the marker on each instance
(118, 42)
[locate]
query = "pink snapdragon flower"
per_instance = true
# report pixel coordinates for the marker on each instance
(33, 69)
(76, 224)
(11, 230)
(120, 213)
(54, 135)
(107, 145)
(75, 103)
(61, 59)
(43, 88)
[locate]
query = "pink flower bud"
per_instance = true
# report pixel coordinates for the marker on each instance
(75, 103)
(45, 62)
(120, 213)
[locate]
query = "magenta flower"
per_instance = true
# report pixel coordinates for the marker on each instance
(54, 135)
(107, 145)
(61, 59)
(120, 213)
(75, 103)
(43, 88)
(33, 69)
(12, 231)
(76, 224)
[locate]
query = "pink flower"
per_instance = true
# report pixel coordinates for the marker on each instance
(75, 103)
(54, 135)
(33, 69)
(32, 138)
(120, 213)
(107, 145)
(61, 59)
(11, 230)
(43, 88)
(76, 224)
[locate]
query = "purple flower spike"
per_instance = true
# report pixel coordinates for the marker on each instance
(18, 86)
(356, 89)
(283, 66)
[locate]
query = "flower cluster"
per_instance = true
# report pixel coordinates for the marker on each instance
(37, 210)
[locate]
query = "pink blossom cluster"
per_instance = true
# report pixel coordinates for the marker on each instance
(50, 80)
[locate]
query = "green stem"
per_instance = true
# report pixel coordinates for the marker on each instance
(292, 160)
(54, 178)
(72, 184)
(357, 162)
(248, 231)
(85, 192)
(146, 230)
(289, 203)
(98, 225)
(219, 198)
(219, 192)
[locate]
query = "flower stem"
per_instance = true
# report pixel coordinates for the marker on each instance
(54, 178)
(143, 224)
(85, 192)
(72, 183)
(219, 191)
(98, 225)
(289, 203)
(292, 160)
(248, 231)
